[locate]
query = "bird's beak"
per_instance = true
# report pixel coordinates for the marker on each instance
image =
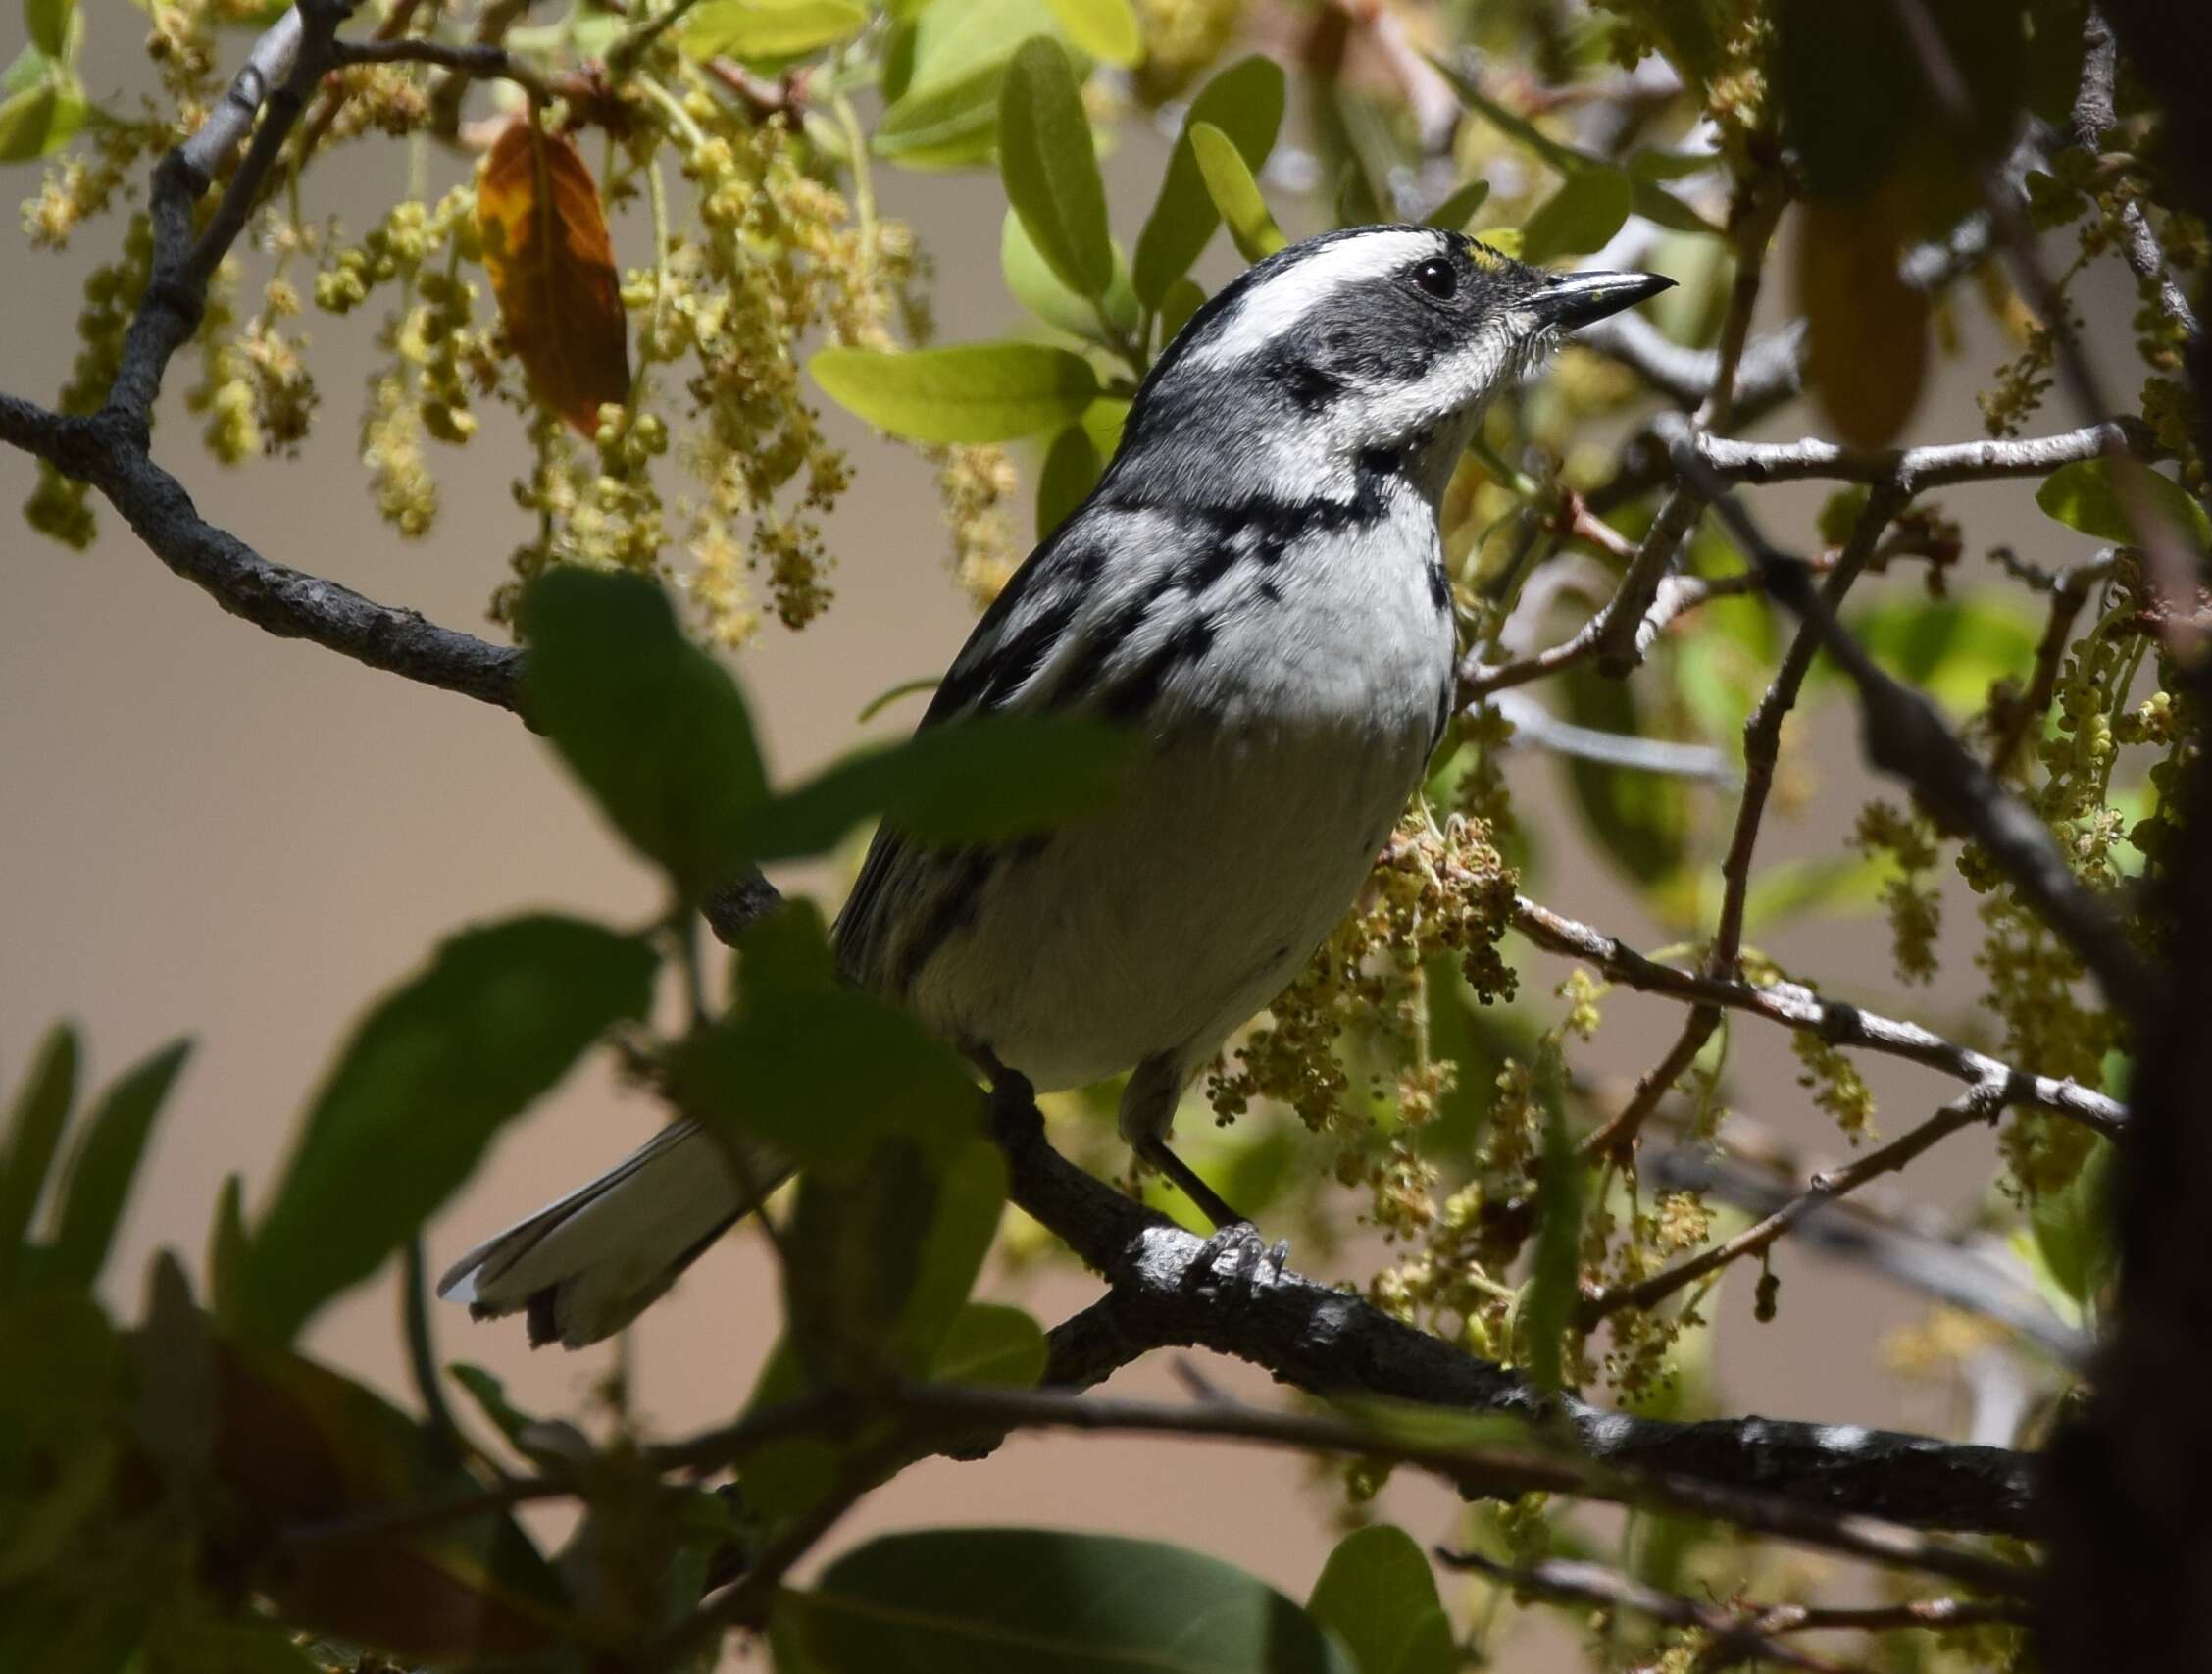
(1568, 300)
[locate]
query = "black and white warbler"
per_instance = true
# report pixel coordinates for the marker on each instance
(1257, 586)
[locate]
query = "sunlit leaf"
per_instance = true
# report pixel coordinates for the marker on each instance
(942, 80)
(1104, 29)
(1050, 170)
(651, 724)
(1834, 886)
(105, 1162)
(1029, 1600)
(1235, 193)
(33, 1135)
(47, 23)
(1102, 422)
(2104, 497)
(978, 392)
(1379, 1595)
(983, 778)
(1867, 329)
(1582, 216)
(1952, 649)
(499, 1016)
(1030, 281)
(553, 271)
(1183, 299)
(1070, 471)
(1245, 102)
(768, 28)
(2074, 1230)
(40, 120)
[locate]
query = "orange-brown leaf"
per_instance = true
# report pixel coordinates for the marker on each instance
(1867, 348)
(553, 271)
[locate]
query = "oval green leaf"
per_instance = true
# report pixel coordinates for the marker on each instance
(47, 21)
(652, 724)
(1245, 102)
(1235, 193)
(770, 28)
(1377, 1594)
(1580, 217)
(990, 1343)
(975, 393)
(1104, 29)
(39, 120)
(430, 1075)
(1044, 1601)
(1866, 351)
(1030, 281)
(2104, 497)
(1070, 471)
(1457, 210)
(1050, 168)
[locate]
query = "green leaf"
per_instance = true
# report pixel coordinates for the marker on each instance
(1419, 1424)
(1952, 649)
(1641, 818)
(1563, 158)
(1245, 102)
(1104, 29)
(2103, 497)
(1834, 886)
(1549, 1307)
(35, 1133)
(39, 120)
(942, 80)
(1457, 210)
(2075, 1228)
(772, 1074)
(770, 29)
(980, 778)
(429, 1075)
(975, 393)
(1050, 168)
(1236, 194)
(1072, 468)
(990, 1343)
(1030, 281)
(1845, 108)
(1102, 422)
(1183, 299)
(1378, 1595)
(650, 724)
(105, 1162)
(47, 23)
(1867, 331)
(1044, 1601)
(1580, 217)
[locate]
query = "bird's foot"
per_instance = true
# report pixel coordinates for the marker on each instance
(1237, 1259)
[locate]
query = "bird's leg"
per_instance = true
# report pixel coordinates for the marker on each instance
(1153, 1150)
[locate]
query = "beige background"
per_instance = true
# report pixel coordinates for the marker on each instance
(207, 831)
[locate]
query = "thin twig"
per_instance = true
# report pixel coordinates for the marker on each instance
(2094, 113)
(1981, 1104)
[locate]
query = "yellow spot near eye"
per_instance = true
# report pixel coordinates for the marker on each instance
(1483, 256)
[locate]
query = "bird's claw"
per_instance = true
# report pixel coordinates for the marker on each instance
(1235, 1257)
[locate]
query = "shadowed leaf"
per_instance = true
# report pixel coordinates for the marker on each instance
(1378, 1595)
(1582, 216)
(429, 1075)
(35, 1133)
(1072, 468)
(990, 1343)
(552, 269)
(1867, 329)
(651, 724)
(1029, 1600)
(2105, 497)
(106, 1161)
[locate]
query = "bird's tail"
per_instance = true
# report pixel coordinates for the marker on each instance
(585, 1266)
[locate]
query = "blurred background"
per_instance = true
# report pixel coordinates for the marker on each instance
(209, 832)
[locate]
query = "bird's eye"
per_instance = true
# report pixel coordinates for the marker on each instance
(1437, 278)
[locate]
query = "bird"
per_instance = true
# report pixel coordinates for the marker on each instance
(1256, 590)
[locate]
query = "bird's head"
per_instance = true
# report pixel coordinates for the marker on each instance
(1380, 343)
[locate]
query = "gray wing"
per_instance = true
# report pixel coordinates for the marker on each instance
(1092, 622)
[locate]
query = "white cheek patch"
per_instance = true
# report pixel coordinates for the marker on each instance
(1276, 305)
(1457, 383)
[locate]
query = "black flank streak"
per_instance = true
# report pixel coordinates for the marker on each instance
(1128, 697)
(1082, 675)
(951, 911)
(1010, 665)
(1439, 589)
(1219, 559)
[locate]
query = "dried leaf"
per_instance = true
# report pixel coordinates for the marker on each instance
(1867, 329)
(553, 270)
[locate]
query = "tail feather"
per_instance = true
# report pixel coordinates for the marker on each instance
(585, 1266)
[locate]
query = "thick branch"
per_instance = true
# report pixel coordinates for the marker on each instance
(1164, 1291)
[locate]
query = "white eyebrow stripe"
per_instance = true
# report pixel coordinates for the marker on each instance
(1265, 312)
